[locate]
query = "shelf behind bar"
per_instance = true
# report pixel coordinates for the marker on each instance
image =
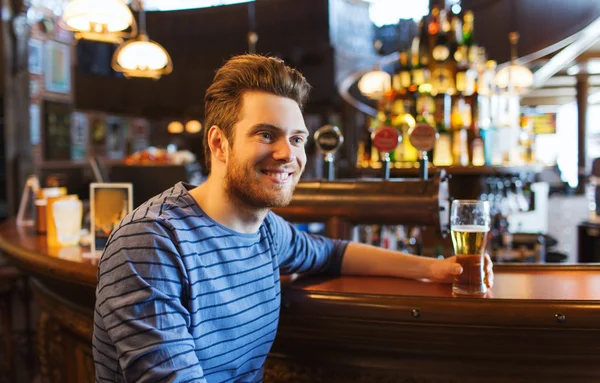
(413, 170)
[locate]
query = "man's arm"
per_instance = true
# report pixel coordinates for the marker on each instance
(141, 303)
(362, 259)
(300, 252)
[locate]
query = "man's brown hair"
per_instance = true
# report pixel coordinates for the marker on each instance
(249, 72)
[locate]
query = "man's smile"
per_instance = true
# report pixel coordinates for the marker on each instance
(279, 176)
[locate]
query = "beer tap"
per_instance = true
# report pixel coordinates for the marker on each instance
(386, 139)
(329, 139)
(422, 136)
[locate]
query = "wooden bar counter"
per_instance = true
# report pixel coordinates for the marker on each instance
(540, 323)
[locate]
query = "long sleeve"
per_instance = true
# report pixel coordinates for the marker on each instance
(300, 252)
(141, 304)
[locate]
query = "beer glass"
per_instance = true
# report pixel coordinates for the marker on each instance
(469, 226)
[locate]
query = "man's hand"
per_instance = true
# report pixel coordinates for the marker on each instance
(446, 269)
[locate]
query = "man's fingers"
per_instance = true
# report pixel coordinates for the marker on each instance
(456, 269)
(489, 271)
(488, 261)
(489, 280)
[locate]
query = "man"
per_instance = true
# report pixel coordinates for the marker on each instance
(188, 286)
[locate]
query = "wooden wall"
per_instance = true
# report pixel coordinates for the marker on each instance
(200, 40)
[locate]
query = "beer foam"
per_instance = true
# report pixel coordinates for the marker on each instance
(471, 228)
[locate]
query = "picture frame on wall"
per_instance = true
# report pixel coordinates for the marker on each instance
(56, 130)
(110, 202)
(36, 56)
(57, 76)
(79, 136)
(115, 137)
(34, 124)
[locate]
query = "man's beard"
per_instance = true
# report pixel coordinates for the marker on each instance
(245, 185)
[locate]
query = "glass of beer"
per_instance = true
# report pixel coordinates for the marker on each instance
(469, 225)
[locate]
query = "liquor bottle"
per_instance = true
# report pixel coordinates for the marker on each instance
(360, 154)
(373, 153)
(404, 73)
(433, 27)
(387, 118)
(442, 151)
(460, 119)
(467, 29)
(398, 120)
(441, 50)
(420, 57)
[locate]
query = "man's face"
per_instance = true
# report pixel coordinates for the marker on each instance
(267, 156)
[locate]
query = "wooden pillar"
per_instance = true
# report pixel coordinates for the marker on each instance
(19, 163)
(582, 88)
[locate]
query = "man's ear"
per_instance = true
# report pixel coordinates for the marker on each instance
(218, 143)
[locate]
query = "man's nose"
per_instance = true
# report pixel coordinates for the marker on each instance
(284, 151)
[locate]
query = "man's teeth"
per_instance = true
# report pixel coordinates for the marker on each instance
(279, 176)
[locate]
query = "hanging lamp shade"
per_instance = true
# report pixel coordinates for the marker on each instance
(518, 76)
(142, 57)
(514, 77)
(98, 20)
(374, 84)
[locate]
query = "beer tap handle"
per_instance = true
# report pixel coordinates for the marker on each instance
(328, 140)
(424, 162)
(386, 139)
(386, 166)
(422, 136)
(329, 160)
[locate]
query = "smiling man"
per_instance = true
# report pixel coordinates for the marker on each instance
(188, 285)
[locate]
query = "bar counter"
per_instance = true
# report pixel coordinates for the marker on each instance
(540, 323)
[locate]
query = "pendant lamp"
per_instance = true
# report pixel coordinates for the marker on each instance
(142, 57)
(96, 20)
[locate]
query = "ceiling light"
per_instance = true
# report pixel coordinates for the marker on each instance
(374, 84)
(514, 77)
(142, 57)
(175, 127)
(98, 20)
(193, 126)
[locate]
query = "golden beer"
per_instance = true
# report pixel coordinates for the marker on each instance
(469, 242)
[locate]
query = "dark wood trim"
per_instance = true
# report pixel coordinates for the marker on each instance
(582, 86)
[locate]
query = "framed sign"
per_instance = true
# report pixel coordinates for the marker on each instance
(57, 61)
(35, 56)
(109, 204)
(57, 130)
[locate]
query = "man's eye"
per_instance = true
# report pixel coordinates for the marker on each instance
(298, 140)
(266, 135)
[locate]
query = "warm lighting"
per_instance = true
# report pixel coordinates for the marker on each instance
(142, 57)
(514, 76)
(374, 84)
(442, 152)
(193, 126)
(425, 88)
(98, 20)
(519, 76)
(175, 127)
(478, 152)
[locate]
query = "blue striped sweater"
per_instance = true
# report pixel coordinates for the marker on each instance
(181, 298)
